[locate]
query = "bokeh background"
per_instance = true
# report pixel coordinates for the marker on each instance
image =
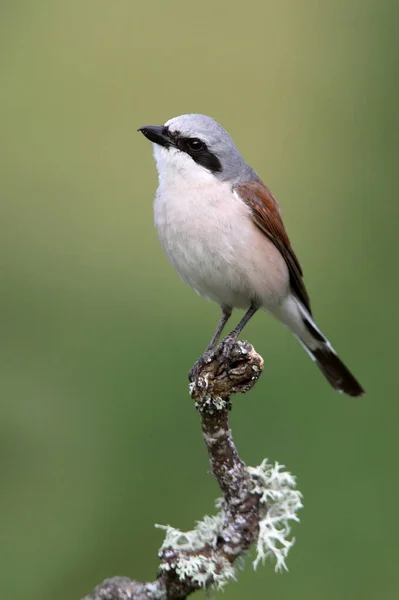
(98, 437)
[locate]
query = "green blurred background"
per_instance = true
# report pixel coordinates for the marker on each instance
(99, 439)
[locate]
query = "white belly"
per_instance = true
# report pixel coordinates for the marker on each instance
(210, 239)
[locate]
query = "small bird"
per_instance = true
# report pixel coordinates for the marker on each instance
(221, 228)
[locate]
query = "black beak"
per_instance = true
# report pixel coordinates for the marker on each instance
(156, 134)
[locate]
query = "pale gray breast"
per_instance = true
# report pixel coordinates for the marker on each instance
(208, 235)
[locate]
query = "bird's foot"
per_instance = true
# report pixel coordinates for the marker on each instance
(206, 358)
(232, 366)
(223, 350)
(228, 344)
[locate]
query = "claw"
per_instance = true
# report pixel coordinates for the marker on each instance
(228, 344)
(231, 367)
(203, 360)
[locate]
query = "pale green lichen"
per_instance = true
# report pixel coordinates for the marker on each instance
(205, 532)
(279, 505)
(205, 569)
(202, 569)
(242, 347)
(216, 404)
(219, 403)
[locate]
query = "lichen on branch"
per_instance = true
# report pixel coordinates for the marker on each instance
(257, 507)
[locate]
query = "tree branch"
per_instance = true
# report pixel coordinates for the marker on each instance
(205, 556)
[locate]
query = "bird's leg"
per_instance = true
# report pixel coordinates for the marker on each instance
(226, 314)
(231, 339)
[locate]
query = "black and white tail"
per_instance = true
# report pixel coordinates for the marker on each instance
(335, 371)
(329, 363)
(298, 319)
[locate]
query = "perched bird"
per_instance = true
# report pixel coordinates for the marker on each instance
(221, 228)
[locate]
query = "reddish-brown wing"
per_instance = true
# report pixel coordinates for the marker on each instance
(266, 215)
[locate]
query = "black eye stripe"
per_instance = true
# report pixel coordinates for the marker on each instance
(197, 149)
(206, 159)
(195, 144)
(190, 145)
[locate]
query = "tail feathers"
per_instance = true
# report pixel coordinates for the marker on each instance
(335, 371)
(322, 353)
(295, 316)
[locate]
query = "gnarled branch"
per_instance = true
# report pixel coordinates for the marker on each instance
(206, 556)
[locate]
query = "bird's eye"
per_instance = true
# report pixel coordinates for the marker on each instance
(195, 144)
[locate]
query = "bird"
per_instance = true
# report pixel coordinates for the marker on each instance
(222, 230)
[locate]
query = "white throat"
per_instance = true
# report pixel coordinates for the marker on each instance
(174, 165)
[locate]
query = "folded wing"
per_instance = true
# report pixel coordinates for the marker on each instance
(266, 216)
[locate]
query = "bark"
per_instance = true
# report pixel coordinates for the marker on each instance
(215, 382)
